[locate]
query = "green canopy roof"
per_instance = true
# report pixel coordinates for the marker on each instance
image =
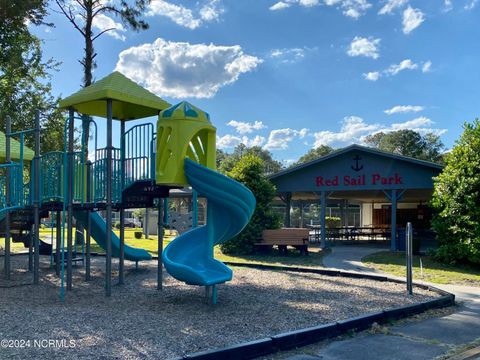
(185, 111)
(28, 154)
(130, 100)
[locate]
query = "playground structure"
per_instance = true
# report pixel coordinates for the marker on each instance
(137, 174)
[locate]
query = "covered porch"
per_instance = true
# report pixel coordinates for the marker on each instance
(357, 194)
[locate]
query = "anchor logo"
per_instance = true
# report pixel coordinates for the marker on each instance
(357, 167)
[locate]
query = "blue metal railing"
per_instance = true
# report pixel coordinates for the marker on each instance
(138, 153)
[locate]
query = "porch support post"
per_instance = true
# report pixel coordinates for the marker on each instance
(301, 214)
(323, 228)
(287, 199)
(394, 196)
(393, 232)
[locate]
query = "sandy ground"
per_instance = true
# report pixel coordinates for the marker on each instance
(140, 322)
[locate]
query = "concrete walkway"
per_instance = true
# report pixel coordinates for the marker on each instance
(425, 339)
(350, 257)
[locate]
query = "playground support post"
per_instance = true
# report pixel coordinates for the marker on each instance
(210, 291)
(58, 242)
(30, 249)
(160, 244)
(121, 260)
(146, 223)
(89, 222)
(36, 202)
(194, 209)
(8, 197)
(108, 266)
(71, 124)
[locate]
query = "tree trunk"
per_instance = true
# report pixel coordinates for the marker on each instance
(88, 61)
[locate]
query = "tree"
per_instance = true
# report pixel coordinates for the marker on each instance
(82, 14)
(226, 162)
(456, 199)
(220, 157)
(408, 143)
(25, 75)
(248, 171)
(314, 154)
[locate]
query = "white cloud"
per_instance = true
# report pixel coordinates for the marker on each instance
(412, 18)
(394, 69)
(181, 69)
(116, 30)
(372, 76)
(183, 16)
(350, 8)
(427, 66)
(309, 3)
(354, 130)
(391, 6)
(406, 64)
(211, 11)
(447, 5)
(279, 139)
(422, 125)
(354, 8)
(280, 6)
(256, 141)
(402, 109)
(230, 141)
(417, 123)
(245, 127)
(367, 47)
(290, 55)
(471, 5)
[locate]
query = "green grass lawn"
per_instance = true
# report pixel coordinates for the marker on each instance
(433, 271)
(314, 259)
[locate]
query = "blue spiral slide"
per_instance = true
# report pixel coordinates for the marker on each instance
(99, 233)
(189, 258)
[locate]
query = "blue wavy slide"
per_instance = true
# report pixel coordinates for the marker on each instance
(189, 258)
(99, 233)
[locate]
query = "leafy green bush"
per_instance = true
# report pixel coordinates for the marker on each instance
(248, 170)
(332, 221)
(456, 200)
(117, 225)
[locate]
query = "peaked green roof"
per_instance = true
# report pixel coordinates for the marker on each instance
(185, 111)
(28, 154)
(130, 100)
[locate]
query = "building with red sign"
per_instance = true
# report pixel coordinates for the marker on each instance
(385, 191)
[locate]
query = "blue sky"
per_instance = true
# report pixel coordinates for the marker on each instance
(294, 74)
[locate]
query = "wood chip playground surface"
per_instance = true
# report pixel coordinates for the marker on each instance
(140, 322)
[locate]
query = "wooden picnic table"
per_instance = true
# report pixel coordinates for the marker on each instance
(350, 233)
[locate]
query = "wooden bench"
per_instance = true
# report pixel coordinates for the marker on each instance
(295, 237)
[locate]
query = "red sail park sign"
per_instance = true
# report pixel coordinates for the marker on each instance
(360, 180)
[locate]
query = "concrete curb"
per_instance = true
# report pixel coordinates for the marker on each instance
(302, 337)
